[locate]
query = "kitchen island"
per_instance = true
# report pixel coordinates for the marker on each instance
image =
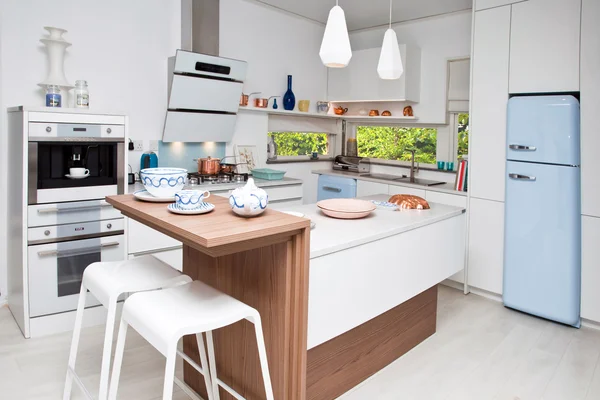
(371, 296)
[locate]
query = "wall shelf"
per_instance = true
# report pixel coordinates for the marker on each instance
(352, 118)
(292, 113)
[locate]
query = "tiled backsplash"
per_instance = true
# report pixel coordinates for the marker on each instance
(182, 155)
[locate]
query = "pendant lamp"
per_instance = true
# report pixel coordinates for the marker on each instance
(390, 61)
(335, 48)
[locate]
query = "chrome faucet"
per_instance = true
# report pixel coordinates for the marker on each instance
(413, 170)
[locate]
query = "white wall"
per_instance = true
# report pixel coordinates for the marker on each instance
(119, 47)
(440, 39)
(274, 44)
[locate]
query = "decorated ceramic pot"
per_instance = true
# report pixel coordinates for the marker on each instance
(249, 200)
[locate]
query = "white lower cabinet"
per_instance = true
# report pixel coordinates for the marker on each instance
(366, 188)
(486, 245)
(590, 268)
(172, 257)
(445, 198)
(393, 189)
(142, 239)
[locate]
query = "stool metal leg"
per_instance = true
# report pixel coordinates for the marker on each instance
(205, 367)
(119, 350)
(212, 365)
(75, 343)
(108, 339)
(262, 354)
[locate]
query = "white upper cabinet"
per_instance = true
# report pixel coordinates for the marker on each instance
(590, 105)
(489, 102)
(359, 81)
(483, 4)
(544, 46)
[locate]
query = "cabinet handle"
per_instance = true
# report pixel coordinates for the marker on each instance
(332, 189)
(522, 148)
(85, 250)
(57, 210)
(521, 177)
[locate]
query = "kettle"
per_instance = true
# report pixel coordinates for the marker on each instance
(149, 160)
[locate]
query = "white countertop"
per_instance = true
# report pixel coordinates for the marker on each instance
(332, 235)
(445, 188)
(230, 186)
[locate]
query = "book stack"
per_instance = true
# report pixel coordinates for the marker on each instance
(461, 176)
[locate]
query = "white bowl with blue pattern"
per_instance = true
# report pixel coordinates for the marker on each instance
(249, 200)
(163, 182)
(190, 199)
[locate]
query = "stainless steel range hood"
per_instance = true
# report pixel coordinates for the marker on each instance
(204, 89)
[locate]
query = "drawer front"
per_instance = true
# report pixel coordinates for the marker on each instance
(284, 204)
(172, 257)
(284, 192)
(69, 213)
(393, 189)
(83, 229)
(142, 238)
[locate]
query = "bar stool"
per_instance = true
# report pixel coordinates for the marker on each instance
(164, 317)
(107, 281)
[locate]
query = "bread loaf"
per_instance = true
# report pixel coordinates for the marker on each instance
(409, 202)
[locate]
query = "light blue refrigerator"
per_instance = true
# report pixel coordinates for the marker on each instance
(542, 239)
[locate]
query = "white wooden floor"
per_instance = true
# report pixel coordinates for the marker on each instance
(480, 351)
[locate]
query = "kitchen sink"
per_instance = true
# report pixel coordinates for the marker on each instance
(403, 179)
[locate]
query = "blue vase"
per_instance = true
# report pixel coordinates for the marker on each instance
(275, 106)
(289, 100)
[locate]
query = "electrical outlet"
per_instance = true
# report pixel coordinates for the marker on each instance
(138, 145)
(153, 145)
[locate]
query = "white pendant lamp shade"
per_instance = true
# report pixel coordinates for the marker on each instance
(390, 61)
(335, 48)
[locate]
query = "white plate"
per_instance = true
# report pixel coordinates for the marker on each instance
(203, 208)
(294, 213)
(144, 195)
(76, 177)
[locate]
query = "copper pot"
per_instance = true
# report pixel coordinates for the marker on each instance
(374, 113)
(244, 98)
(261, 103)
(209, 166)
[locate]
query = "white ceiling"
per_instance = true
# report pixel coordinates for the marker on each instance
(362, 14)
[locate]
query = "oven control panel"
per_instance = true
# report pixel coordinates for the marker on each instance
(60, 233)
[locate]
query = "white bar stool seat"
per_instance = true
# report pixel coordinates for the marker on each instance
(107, 281)
(164, 317)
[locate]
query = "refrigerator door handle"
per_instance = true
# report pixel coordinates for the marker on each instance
(521, 177)
(523, 148)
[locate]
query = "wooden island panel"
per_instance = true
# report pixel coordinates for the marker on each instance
(263, 262)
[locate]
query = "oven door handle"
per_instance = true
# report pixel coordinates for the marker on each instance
(56, 210)
(83, 250)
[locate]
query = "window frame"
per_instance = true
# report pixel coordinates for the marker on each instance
(333, 141)
(352, 127)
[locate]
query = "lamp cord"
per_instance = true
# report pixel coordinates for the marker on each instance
(391, 1)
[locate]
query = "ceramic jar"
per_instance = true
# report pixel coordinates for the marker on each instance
(249, 200)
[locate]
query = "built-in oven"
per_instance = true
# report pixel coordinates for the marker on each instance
(54, 149)
(63, 240)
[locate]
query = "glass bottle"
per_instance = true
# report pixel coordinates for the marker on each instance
(289, 100)
(53, 97)
(82, 95)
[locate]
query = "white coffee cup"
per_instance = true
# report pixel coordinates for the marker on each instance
(79, 172)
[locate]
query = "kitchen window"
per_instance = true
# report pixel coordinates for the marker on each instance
(395, 143)
(301, 143)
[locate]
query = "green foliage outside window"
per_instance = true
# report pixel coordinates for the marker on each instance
(394, 143)
(463, 135)
(300, 143)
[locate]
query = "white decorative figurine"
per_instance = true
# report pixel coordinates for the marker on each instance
(249, 200)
